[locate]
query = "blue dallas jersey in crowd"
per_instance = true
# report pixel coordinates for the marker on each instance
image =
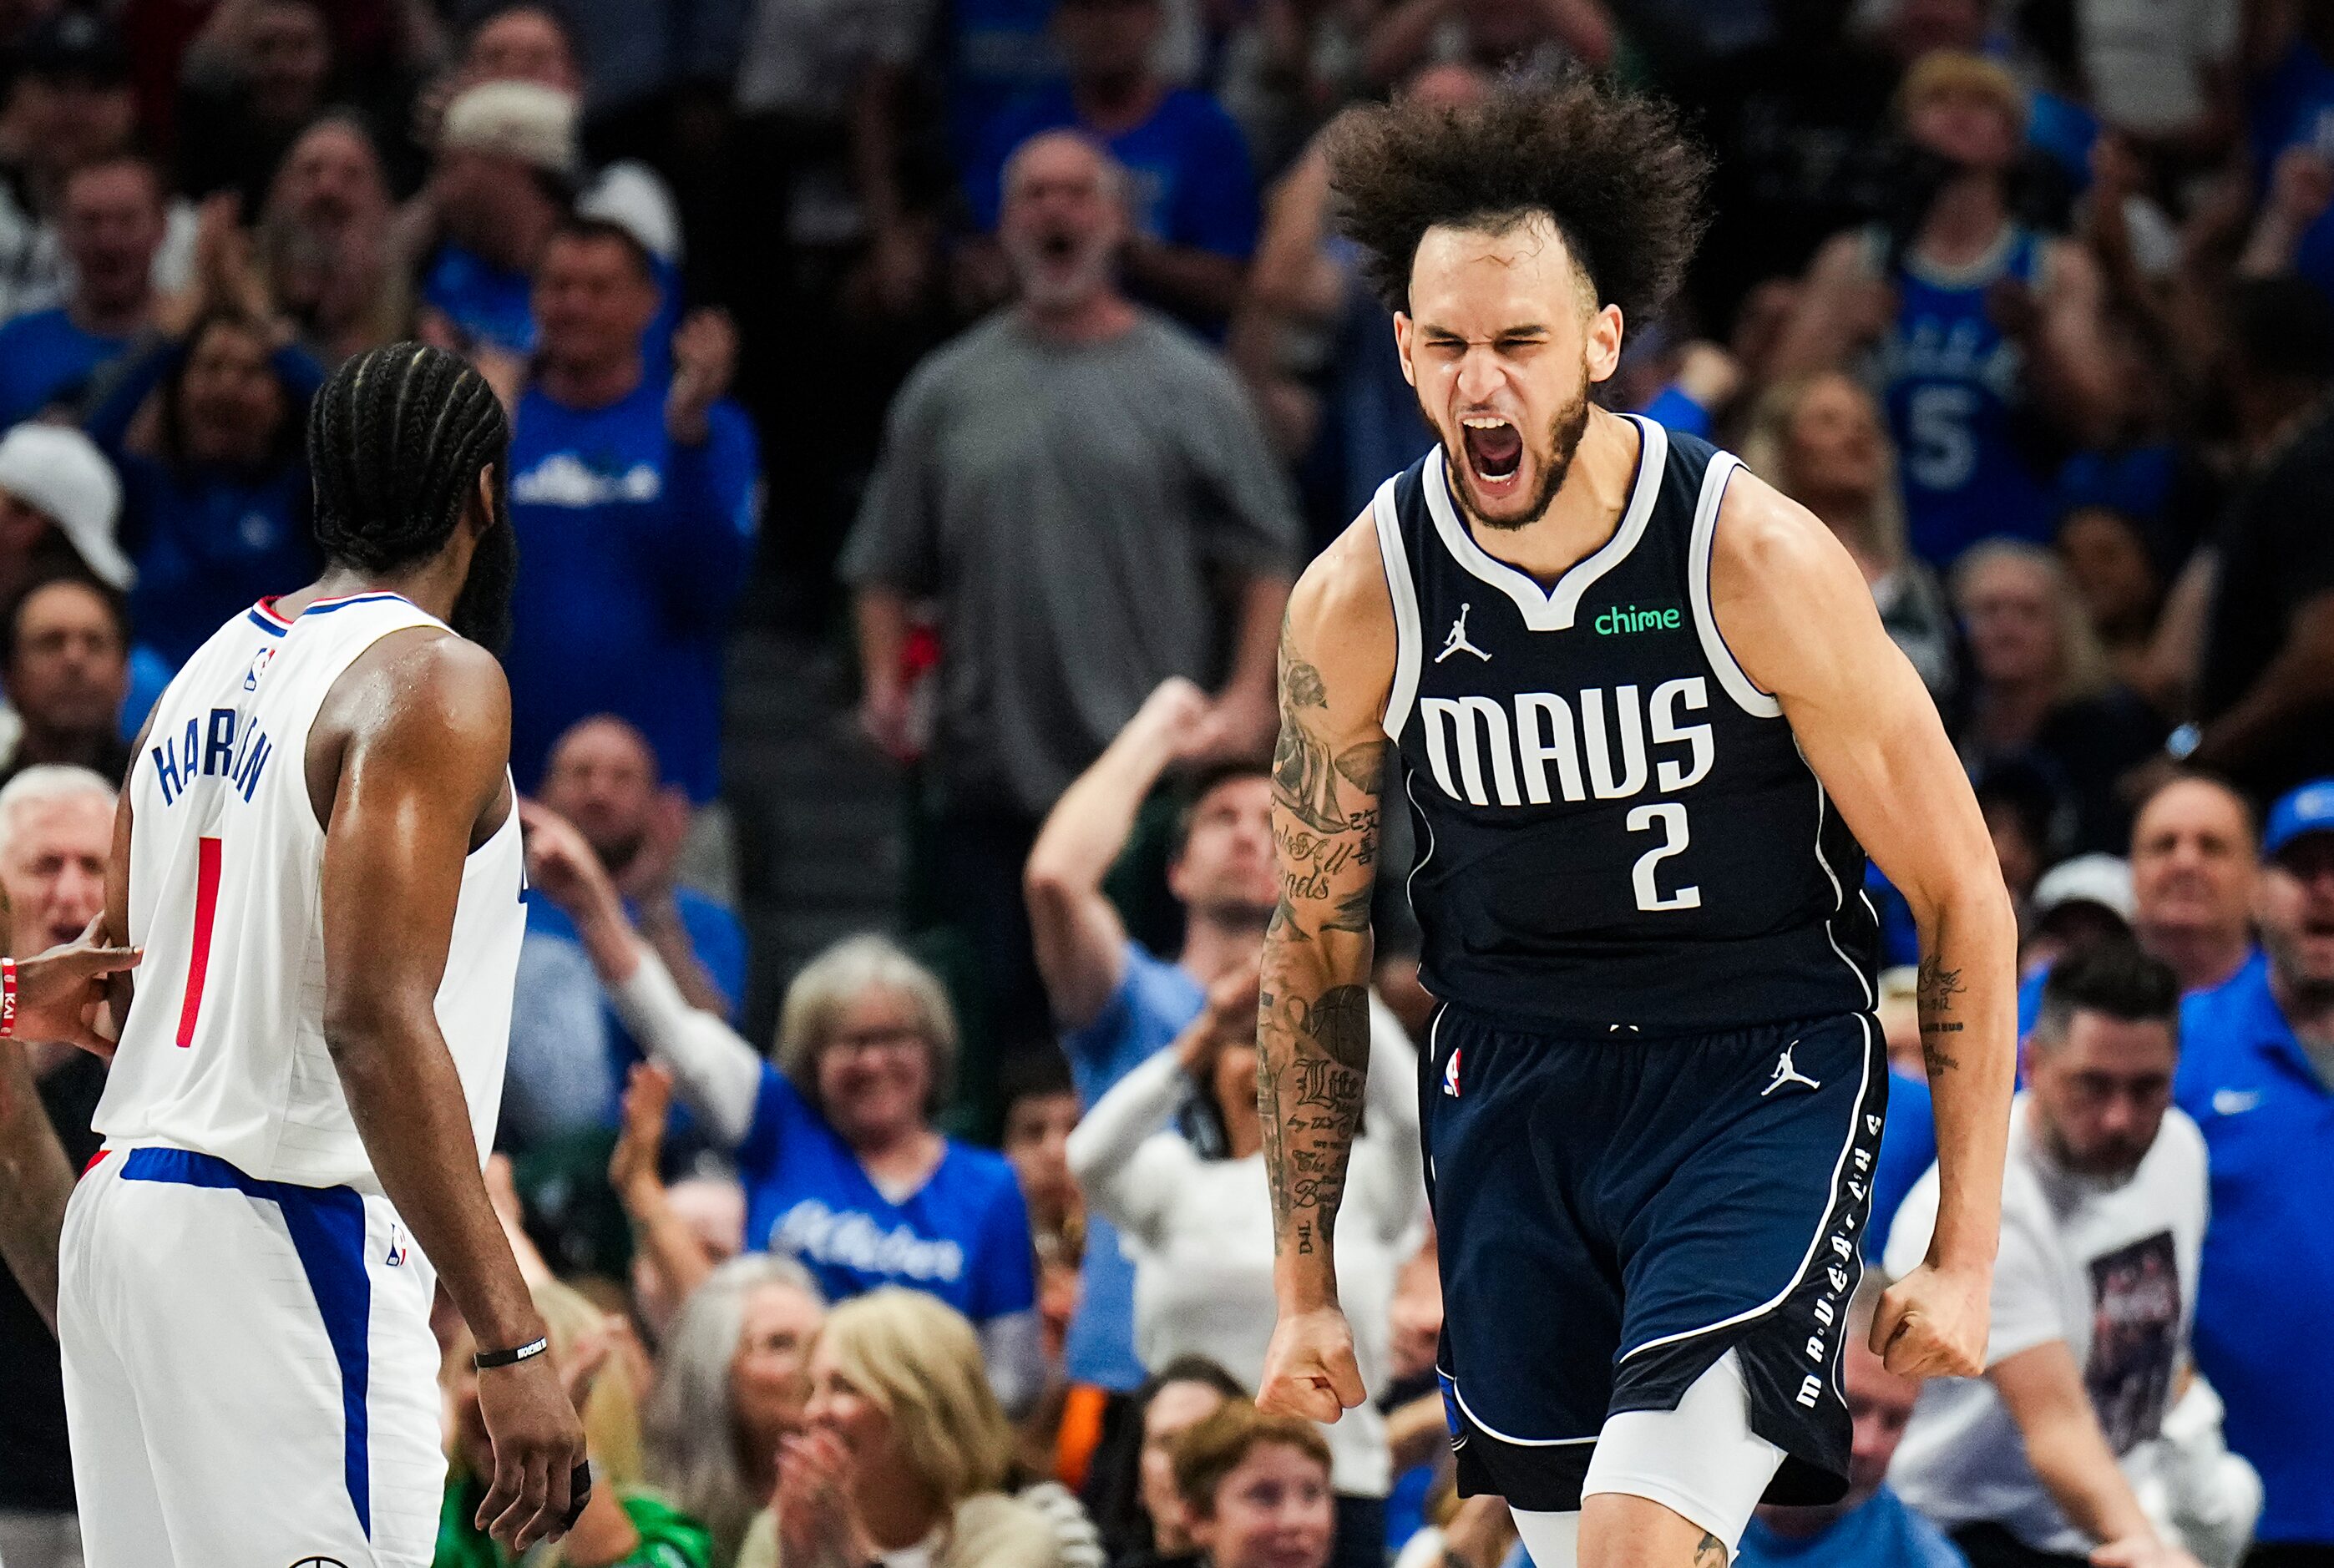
(1189, 164)
(2265, 1294)
(962, 1236)
(1883, 1533)
(1154, 1002)
(44, 358)
(1955, 395)
(632, 550)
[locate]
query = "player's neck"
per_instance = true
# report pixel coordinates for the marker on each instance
(1964, 222)
(433, 587)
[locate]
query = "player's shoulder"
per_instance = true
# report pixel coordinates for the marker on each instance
(1343, 590)
(421, 679)
(1767, 546)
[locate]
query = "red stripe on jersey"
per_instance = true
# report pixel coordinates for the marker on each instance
(207, 880)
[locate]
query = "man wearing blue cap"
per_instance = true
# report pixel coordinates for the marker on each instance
(2257, 1074)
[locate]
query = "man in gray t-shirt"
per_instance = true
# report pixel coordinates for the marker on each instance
(1086, 493)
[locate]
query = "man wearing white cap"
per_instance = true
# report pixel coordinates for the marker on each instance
(507, 172)
(59, 504)
(2078, 904)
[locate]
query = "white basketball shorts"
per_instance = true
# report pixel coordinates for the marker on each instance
(249, 1374)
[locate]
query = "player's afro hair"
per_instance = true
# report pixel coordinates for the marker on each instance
(1616, 172)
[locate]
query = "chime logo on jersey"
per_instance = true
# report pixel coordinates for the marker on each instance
(1485, 748)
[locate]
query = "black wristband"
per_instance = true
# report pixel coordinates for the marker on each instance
(486, 1361)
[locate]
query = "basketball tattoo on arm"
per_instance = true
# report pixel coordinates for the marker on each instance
(1313, 1033)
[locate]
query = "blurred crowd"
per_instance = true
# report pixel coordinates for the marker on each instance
(1009, 349)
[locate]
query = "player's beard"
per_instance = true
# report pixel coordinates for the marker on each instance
(1564, 430)
(482, 611)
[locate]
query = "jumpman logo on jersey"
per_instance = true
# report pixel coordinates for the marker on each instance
(1787, 1074)
(1457, 642)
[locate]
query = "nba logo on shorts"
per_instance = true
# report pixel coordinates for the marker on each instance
(1450, 1074)
(396, 1257)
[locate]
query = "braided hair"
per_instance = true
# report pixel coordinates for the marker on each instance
(397, 439)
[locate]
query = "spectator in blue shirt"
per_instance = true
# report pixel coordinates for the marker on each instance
(833, 1140)
(503, 180)
(569, 1052)
(1870, 1527)
(1193, 200)
(111, 223)
(216, 515)
(2257, 1074)
(1117, 1003)
(633, 497)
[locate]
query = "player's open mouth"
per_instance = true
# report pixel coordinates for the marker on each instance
(1495, 449)
(1059, 247)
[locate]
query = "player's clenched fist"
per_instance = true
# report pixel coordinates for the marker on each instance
(1309, 1370)
(1932, 1322)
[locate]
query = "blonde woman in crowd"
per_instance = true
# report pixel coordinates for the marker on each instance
(2044, 693)
(1819, 438)
(625, 1525)
(733, 1379)
(906, 1452)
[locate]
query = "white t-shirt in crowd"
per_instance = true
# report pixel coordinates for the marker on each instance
(1200, 1231)
(2108, 1267)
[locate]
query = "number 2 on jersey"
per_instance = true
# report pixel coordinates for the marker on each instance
(198, 957)
(1670, 817)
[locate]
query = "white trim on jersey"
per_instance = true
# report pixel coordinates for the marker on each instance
(1489, 1430)
(1823, 1220)
(1839, 894)
(1738, 686)
(1553, 610)
(1404, 594)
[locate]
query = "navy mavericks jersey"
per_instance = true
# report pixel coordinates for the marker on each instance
(1617, 832)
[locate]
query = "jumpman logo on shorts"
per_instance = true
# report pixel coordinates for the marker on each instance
(1457, 642)
(1787, 1074)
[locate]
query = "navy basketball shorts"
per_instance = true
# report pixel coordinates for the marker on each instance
(1614, 1214)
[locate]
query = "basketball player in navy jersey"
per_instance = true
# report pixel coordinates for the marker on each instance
(1646, 718)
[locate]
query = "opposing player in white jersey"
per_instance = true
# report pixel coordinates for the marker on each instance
(318, 850)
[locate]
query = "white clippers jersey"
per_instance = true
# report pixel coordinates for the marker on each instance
(223, 1051)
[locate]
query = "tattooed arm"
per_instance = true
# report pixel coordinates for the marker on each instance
(1313, 1012)
(1796, 614)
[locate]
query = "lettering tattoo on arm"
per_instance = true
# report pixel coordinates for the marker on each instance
(1314, 1015)
(1934, 990)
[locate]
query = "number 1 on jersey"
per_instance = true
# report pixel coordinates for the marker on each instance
(198, 959)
